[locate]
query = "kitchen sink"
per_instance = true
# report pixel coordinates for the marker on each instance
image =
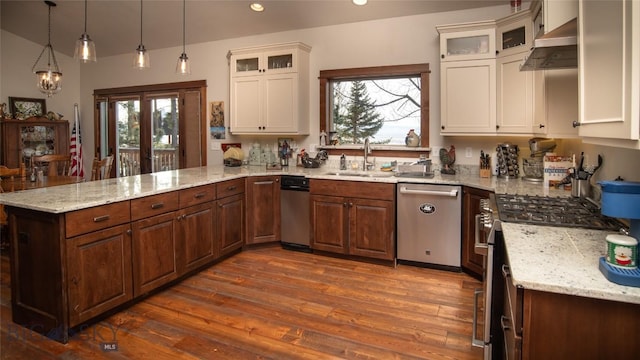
(359, 174)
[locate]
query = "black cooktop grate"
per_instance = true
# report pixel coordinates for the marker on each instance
(554, 211)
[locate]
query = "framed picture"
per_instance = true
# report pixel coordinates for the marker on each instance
(216, 120)
(23, 108)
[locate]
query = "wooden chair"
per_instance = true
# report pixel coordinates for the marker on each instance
(53, 165)
(101, 169)
(11, 174)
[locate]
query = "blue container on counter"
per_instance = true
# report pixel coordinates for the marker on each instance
(621, 199)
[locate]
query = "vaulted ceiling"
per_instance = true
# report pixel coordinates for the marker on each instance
(114, 25)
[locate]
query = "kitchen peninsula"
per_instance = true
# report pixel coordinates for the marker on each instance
(64, 239)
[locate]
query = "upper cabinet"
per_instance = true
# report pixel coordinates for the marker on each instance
(468, 78)
(270, 89)
(609, 72)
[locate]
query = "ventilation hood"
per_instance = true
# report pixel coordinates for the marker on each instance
(556, 49)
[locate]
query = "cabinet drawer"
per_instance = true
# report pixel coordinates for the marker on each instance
(154, 205)
(230, 187)
(357, 189)
(96, 218)
(197, 195)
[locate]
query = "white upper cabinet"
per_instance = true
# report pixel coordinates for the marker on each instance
(609, 72)
(270, 89)
(467, 78)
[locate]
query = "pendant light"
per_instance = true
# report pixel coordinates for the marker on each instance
(183, 67)
(85, 47)
(141, 59)
(49, 77)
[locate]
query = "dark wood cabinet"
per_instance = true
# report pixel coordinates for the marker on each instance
(353, 218)
(33, 136)
(99, 272)
(230, 215)
(195, 237)
(546, 325)
(471, 262)
(263, 209)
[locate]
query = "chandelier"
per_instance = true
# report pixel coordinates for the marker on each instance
(49, 76)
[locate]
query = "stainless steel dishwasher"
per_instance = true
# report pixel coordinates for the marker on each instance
(294, 212)
(429, 224)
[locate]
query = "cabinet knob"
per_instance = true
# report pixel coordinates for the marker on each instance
(344, 204)
(575, 123)
(497, 127)
(350, 204)
(442, 56)
(541, 126)
(129, 232)
(442, 127)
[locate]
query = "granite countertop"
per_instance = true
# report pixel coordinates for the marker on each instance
(562, 260)
(555, 259)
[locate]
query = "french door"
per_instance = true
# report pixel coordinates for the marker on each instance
(143, 129)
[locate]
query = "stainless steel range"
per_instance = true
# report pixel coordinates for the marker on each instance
(534, 210)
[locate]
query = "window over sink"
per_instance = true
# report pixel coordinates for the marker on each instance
(382, 103)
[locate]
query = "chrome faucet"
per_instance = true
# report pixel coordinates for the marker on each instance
(367, 150)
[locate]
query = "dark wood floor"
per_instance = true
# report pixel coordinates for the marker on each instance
(270, 303)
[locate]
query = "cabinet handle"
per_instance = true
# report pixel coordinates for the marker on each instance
(157, 206)
(277, 179)
(76, 308)
(199, 195)
(575, 123)
(474, 331)
(541, 126)
(101, 218)
(230, 188)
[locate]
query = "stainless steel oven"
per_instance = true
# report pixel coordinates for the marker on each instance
(489, 300)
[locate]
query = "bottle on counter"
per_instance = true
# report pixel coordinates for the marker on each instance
(343, 162)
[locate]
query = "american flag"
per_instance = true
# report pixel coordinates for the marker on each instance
(75, 148)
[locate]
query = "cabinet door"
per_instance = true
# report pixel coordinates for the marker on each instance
(195, 237)
(263, 209)
(99, 272)
(471, 262)
(468, 45)
(515, 96)
(330, 223)
(468, 91)
(371, 228)
(514, 34)
(230, 215)
(280, 107)
(609, 70)
(154, 252)
(246, 105)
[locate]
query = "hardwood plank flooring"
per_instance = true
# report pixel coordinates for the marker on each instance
(270, 303)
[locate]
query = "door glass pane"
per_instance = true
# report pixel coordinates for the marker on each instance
(164, 130)
(103, 118)
(127, 113)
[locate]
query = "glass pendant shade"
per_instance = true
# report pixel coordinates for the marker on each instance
(85, 49)
(48, 75)
(183, 67)
(141, 58)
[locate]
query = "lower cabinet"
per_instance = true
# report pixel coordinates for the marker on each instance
(230, 215)
(195, 235)
(263, 209)
(471, 262)
(546, 325)
(99, 272)
(353, 218)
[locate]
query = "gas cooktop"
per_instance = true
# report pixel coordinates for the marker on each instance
(554, 211)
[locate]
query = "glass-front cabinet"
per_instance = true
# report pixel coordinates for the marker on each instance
(459, 42)
(514, 34)
(22, 139)
(279, 61)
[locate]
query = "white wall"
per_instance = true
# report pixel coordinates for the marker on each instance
(403, 40)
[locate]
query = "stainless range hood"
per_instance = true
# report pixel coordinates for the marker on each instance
(557, 49)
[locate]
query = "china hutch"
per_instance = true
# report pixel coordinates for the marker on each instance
(22, 139)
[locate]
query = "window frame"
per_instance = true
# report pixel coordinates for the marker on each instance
(391, 71)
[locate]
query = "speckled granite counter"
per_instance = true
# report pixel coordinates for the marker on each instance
(60, 199)
(562, 260)
(552, 259)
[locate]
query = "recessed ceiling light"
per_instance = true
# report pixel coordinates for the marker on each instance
(359, 2)
(258, 7)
